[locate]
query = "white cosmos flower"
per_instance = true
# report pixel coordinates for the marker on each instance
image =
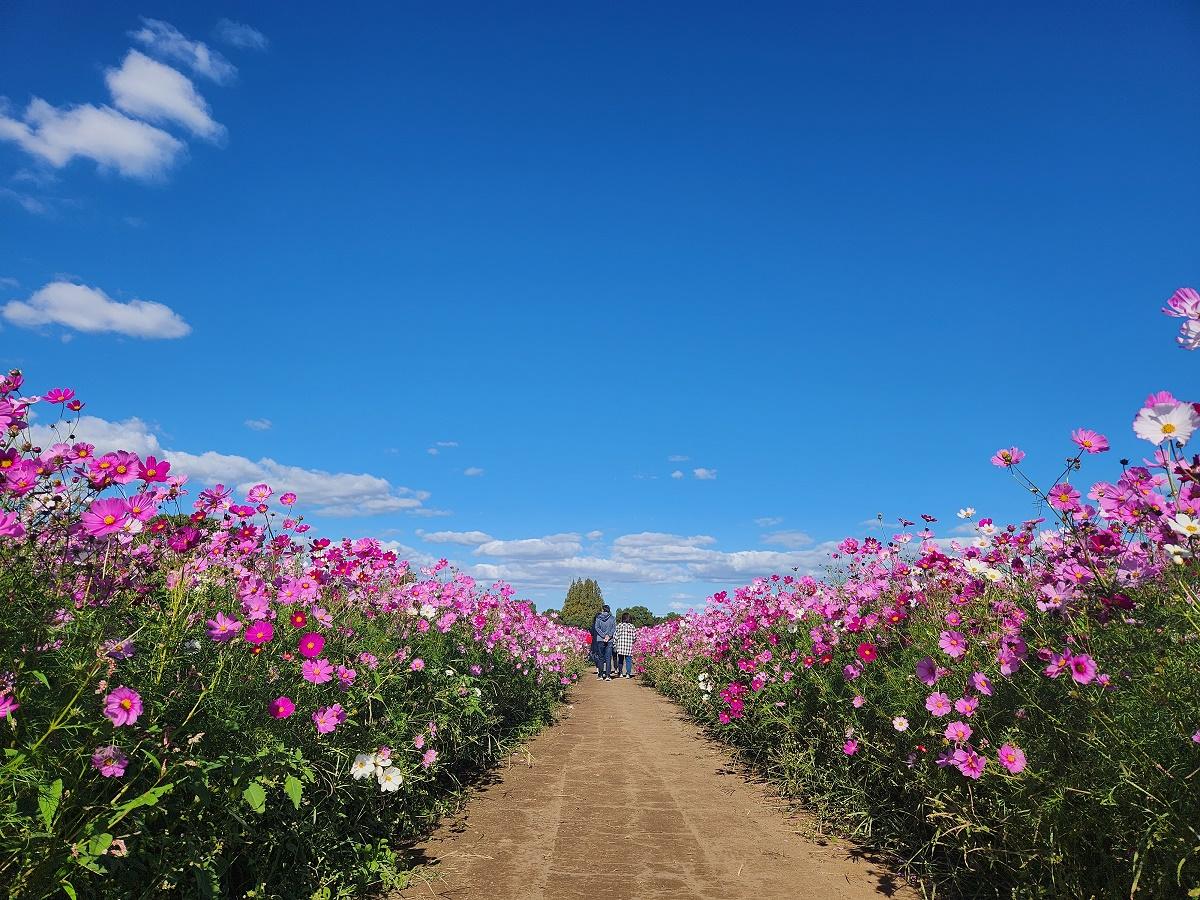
(993, 575)
(428, 610)
(975, 567)
(988, 529)
(363, 766)
(900, 723)
(1166, 422)
(1185, 525)
(390, 779)
(981, 542)
(966, 512)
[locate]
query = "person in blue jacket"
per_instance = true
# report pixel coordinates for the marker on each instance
(604, 628)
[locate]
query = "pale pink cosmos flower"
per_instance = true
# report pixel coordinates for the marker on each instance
(1166, 422)
(419, 741)
(122, 706)
(260, 493)
(417, 664)
(1183, 304)
(1012, 758)
(1006, 457)
(429, 758)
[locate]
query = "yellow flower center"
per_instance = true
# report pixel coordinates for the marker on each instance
(1168, 428)
(126, 703)
(108, 520)
(5, 463)
(150, 473)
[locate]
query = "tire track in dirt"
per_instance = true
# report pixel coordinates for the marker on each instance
(625, 800)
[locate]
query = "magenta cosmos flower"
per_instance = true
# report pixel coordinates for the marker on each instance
(1083, 668)
(958, 732)
(123, 706)
(417, 664)
(867, 651)
(1089, 441)
(109, 761)
(969, 762)
(1064, 497)
(311, 644)
(260, 633)
(927, 671)
(317, 671)
(10, 526)
(282, 707)
(287, 499)
(1006, 457)
(850, 747)
(105, 517)
(1012, 758)
(8, 704)
(982, 683)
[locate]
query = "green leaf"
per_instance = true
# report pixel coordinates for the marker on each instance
(293, 788)
(149, 798)
(99, 844)
(69, 890)
(39, 676)
(48, 801)
(256, 797)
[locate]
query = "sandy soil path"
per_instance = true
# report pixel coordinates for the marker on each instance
(674, 820)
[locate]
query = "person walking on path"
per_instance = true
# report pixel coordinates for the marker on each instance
(604, 628)
(623, 645)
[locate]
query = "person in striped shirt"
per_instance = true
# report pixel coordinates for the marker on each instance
(623, 646)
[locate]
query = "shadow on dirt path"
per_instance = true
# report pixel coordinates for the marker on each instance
(626, 800)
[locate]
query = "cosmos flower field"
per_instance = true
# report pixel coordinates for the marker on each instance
(199, 700)
(1009, 711)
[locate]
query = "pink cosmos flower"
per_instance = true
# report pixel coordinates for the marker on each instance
(260, 633)
(970, 763)
(419, 741)
(429, 758)
(958, 732)
(1064, 497)
(953, 643)
(417, 664)
(287, 499)
(260, 493)
(938, 704)
(1089, 441)
(109, 761)
(282, 707)
(1006, 457)
(866, 651)
(142, 507)
(858, 701)
(966, 706)
(58, 395)
(105, 517)
(1012, 758)
(317, 671)
(123, 706)
(1083, 668)
(153, 470)
(850, 747)
(328, 718)
(9, 526)
(8, 704)
(1183, 304)
(1196, 737)
(345, 677)
(311, 645)
(982, 683)
(927, 672)
(223, 628)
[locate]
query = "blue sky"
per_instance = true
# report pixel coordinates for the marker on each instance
(833, 254)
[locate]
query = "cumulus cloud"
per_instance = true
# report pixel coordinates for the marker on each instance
(465, 538)
(89, 309)
(146, 88)
(473, 471)
(768, 521)
(167, 42)
(677, 474)
(259, 424)
(241, 36)
(27, 202)
(705, 474)
(109, 138)
(594, 535)
(787, 539)
(554, 546)
(343, 494)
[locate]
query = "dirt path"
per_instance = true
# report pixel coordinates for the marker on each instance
(626, 800)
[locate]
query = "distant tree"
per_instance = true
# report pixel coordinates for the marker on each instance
(639, 615)
(550, 612)
(670, 617)
(584, 600)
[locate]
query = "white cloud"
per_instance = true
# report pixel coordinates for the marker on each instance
(90, 309)
(791, 539)
(768, 521)
(344, 494)
(676, 474)
(680, 606)
(705, 474)
(465, 538)
(594, 535)
(99, 133)
(473, 472)
(432, 451)
(27, 202)
(145, 88)
(677, 458)
(446, 444)
(9, 283)
(167, 42)
(241, 36)
(259, 424)
(553, 546)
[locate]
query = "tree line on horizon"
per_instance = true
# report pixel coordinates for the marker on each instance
(585, 599)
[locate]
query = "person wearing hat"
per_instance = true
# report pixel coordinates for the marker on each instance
(604, 628)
